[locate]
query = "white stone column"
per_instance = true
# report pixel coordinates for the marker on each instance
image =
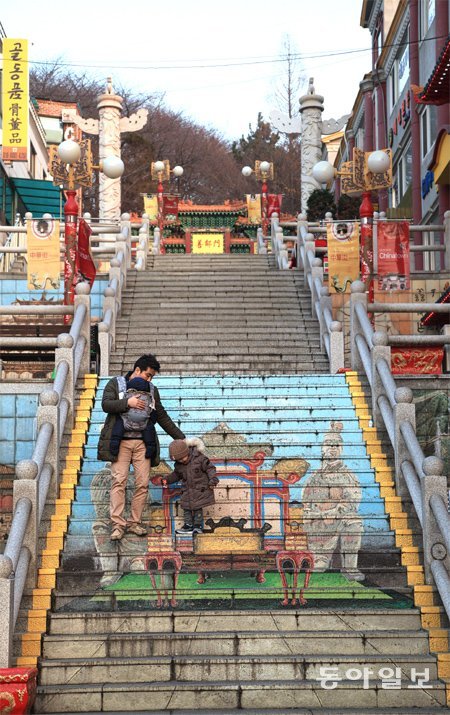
(109, 110)
(311, 108)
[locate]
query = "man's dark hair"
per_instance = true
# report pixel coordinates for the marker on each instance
(146, 361)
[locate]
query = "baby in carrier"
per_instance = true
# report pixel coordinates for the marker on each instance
(135, 423)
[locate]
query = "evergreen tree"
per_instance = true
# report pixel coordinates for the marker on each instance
(319, 202)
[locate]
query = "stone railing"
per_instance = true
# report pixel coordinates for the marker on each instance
(417, 477)
(37, 479)
(331, 334)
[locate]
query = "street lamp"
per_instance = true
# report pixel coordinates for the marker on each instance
(263, 171)
(160, 171)
(367, 172)
(71, 165)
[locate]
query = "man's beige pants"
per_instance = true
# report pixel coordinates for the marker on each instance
(132, 451)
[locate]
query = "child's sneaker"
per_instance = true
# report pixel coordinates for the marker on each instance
(197, 530)
(185, 529)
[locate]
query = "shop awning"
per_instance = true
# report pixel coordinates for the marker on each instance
(39, 196)
(437, 89)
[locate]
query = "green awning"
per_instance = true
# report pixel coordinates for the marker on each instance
(39, 197)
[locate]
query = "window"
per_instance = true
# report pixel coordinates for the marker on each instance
(427, 10)
(428, 121)
(32, 161)
(399, 74)
(403, 69)
(402, 176)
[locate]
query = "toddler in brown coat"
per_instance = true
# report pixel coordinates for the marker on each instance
(198, 478)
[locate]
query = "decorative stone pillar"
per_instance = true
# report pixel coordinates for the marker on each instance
(366, 87)
(109, 127)
(311, 108)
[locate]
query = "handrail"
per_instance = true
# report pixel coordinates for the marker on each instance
(37, 478)
(419, 477)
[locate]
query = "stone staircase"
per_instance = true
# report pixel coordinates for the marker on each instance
(217, 314)
(266, 611)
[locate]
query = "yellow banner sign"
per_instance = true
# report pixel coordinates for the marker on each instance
(343, 255)
(254, 208)
(15, 100)
(207, 242)
(151, 207)
(43, 254)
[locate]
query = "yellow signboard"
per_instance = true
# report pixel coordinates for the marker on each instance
(254, 208)
(151, 207)
(15, 100)
(207, 242)
(343, 255)
(43, 254)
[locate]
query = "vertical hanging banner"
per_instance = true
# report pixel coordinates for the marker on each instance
(43, 254)
(393, 255)
(170, 207)
(343, 255)
(15, 100)
(86, 265)
(274, 204)
(254, 208)
(151, 207)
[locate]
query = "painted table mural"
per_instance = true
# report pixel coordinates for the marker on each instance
(297, 514)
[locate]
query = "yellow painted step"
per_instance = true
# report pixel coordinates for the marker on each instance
(37, 621)
(404, 537)
(31, 644)
(26, 661)
(439, 640)
(46, 580)
(410, 556)
(425, 595)
(50, 559)
(432, 616)
(443, 660)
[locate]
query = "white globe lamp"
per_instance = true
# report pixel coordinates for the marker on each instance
(178, 171)
(69, 151)
(323, 172)
(378, 162)
(158, 166)
(264, 167)
(112, 167)
(247, 171)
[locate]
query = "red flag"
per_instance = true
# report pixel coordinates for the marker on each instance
(393, 255)
(86, 265)
(274, 204)
(170, 207)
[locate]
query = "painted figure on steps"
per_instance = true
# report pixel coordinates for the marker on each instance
(331, 499)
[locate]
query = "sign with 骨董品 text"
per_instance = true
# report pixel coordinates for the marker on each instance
(15, 100)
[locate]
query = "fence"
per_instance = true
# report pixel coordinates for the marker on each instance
(37, 479)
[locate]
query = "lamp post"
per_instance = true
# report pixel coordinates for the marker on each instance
(160, 171)
(263, 171)
(71, 165)
(367, 172)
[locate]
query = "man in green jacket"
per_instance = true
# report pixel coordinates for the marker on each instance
(133, 449)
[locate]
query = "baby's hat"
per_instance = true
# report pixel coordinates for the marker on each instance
(138, 383)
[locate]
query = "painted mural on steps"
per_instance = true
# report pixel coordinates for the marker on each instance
(283, 530)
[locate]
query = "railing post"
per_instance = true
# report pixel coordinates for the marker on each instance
(316, 272)
(433, 483)
(403, 411)
(110, 303)
(326, 303)
(26, 485)
(64, 353)
(447, 240)
(336, 346)
(302, 230)
(358, 296)
(6, 611)
(380, 350)
(48, 411)
(310, 246)
(125, 224)
(156, 241)
(82, 297)
(104, 342)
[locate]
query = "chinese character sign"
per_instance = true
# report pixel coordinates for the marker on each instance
(343, 255)
(274, 204)
(15, 100)
(151, 207)
(254, 208)
(393, 255)
(86, 265)
(43, 254)
(170, 207)
(207, 243)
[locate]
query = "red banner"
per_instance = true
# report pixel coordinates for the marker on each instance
(393, 255)
(86, 265)
(417, 361)
(274, 204)
(170, 207)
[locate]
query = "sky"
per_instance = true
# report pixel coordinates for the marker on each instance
(216, 62)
